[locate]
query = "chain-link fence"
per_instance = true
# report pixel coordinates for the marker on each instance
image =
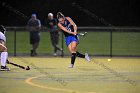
(99, 41)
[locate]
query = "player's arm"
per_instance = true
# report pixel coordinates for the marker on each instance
(3, 46)
(72, 23)
(39, 25)
(64, 29)
(27, 26)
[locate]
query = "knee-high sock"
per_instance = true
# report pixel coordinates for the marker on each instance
(73, 57)
(4, 56)
(80, 55)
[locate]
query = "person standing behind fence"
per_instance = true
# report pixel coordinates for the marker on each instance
(54, 34)
(34, 26)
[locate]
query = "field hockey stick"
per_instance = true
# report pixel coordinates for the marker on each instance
(82, 34)
(26, 68)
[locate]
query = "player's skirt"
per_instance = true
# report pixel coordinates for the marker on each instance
(71, 38)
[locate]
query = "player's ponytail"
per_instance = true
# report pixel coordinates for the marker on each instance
(60, 15)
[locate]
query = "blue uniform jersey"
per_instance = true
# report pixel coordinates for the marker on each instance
(68, 26)
(69, 37)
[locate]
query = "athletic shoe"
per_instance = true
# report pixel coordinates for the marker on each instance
(4, 68)
(71, 66)
(55, 54)
(33, 53)
(87, 57)
(61, 49)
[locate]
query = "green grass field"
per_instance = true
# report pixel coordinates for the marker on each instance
(51, 75)
(95, 43)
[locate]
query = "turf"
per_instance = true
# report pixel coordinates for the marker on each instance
(51, 75)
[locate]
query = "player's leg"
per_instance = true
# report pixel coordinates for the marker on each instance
(35, 39)
(56, 40)
(78, 54)
(32, 43)
(72, 48)
(35, 46)
(33, 50)
(53, 43)
(4, 56)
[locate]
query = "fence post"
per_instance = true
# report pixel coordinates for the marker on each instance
(62, 42)
(110, 43)
(15, 35)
